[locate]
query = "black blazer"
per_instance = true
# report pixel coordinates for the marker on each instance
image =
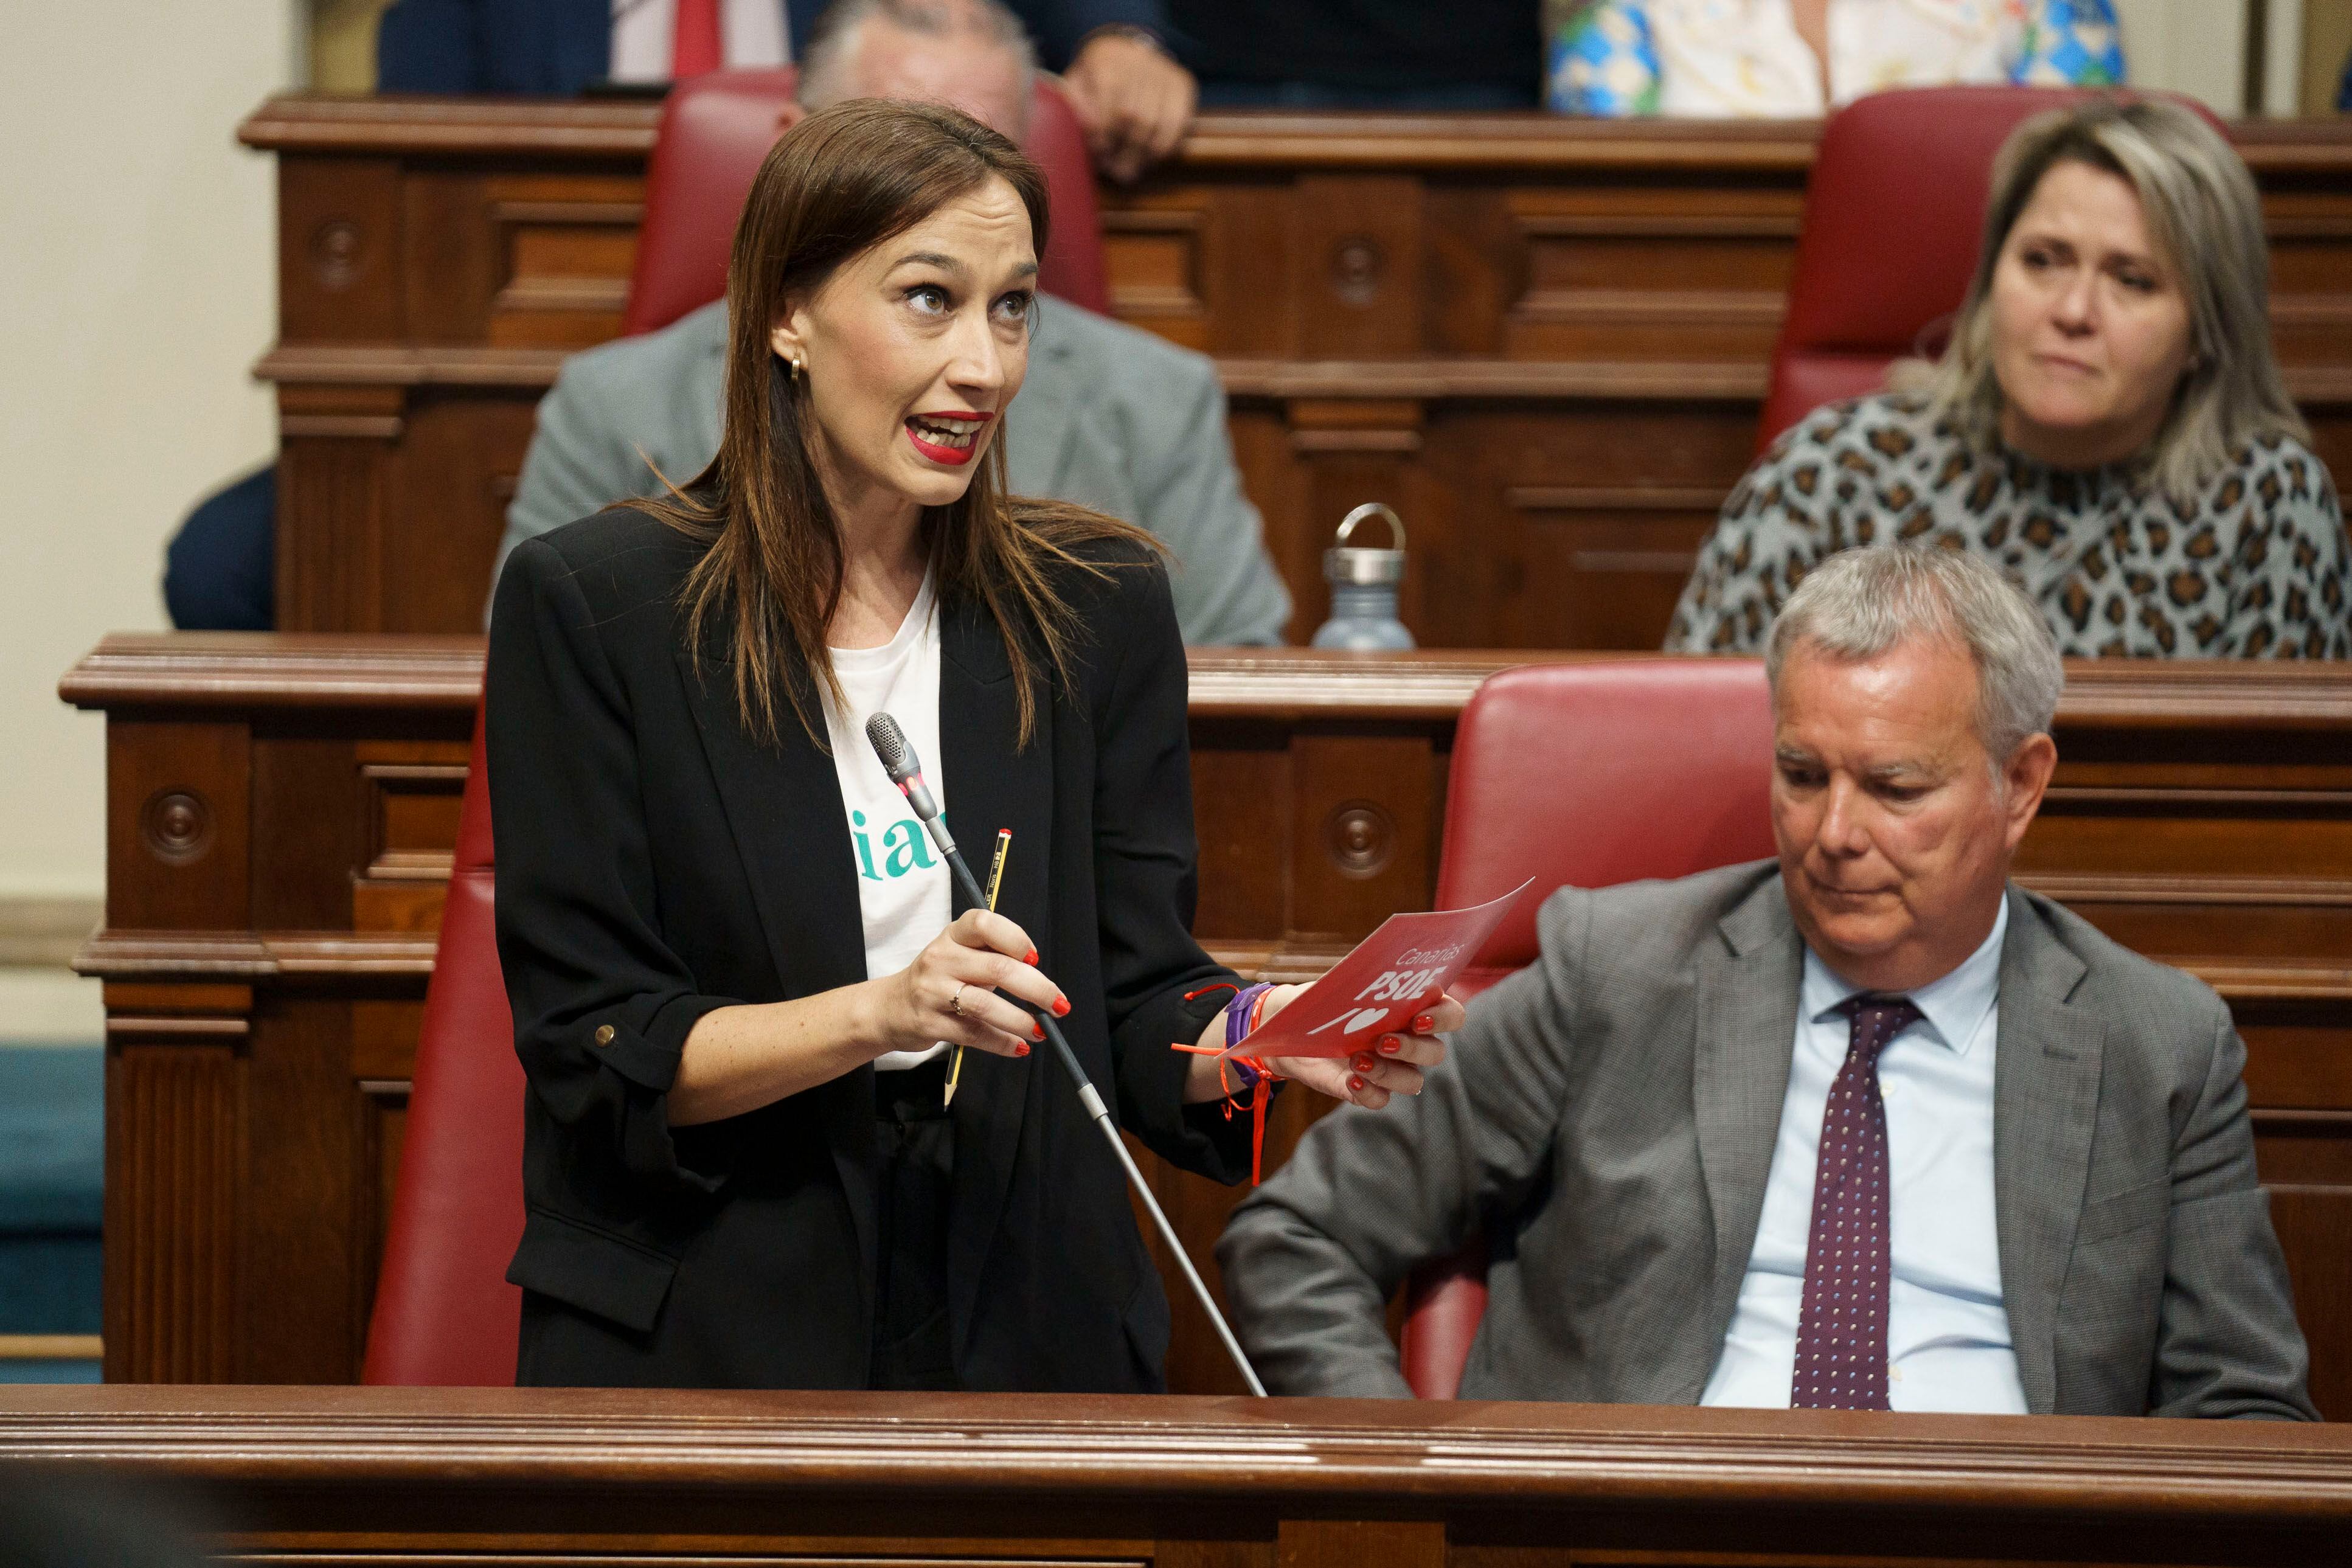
(655, 863)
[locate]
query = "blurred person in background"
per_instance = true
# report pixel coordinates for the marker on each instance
(1360, 54)
(1804, 57)
(2109, 426)
(1135, 102)
(1114, 418)
(1132, 97)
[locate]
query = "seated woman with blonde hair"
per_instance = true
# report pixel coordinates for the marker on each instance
(2109, 425)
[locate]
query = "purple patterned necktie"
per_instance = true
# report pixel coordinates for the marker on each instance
(1842, 1326)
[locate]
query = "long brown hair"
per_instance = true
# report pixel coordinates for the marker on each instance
(842, 181)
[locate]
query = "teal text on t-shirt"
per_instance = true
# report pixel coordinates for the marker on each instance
(904, 849)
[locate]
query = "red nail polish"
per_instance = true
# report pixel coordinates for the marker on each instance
(1425, 1022)
(1390, 1044)
(1032, 959)
(1061, 1007)
(1354, 1083)
(1036, 1031)
(1019, 1050)
(1362, 1063)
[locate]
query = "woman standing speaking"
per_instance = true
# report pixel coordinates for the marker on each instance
(735, 963)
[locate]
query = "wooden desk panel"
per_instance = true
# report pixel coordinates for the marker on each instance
(281, 811)
(1543, 340)
(480, 1476)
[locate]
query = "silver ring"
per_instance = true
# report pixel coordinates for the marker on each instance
(955, 1000)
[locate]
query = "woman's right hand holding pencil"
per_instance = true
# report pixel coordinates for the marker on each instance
(949, 991)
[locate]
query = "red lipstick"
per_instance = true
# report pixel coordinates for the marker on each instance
(939, 452)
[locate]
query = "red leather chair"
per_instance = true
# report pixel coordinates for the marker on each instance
(716, 129)
(1583, 775)
(444, 1312)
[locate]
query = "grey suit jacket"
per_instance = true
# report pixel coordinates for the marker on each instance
(1110, 416)
(1607, 1117)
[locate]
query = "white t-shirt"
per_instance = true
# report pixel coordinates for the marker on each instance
(903, 885)
(752, 35)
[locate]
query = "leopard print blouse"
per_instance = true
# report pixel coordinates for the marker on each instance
(2260, 566)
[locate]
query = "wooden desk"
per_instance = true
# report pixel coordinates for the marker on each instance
(1543, 340)
(281, 809)
(482, 1476)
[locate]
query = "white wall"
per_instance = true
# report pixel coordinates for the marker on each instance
(2192, 46)
(138, 256)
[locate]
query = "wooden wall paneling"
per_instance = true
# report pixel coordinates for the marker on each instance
(1620, 556)
(1252, 267)
(174, 1207)
(339, 249)
(2310, 1219)
(1580, 524)
(2298, 1068)
(459, 465)
(453, 260)
(2325, 402)
(410, 798)
(569, 242)
(303, 861)
(1363, 838)
(1238, 771)
(2311, 254)
(178, 825)
(1477, 267)
(1361, 1543)
(297, 1285)
(1153, 253)
(385, 1029)
(1357, 266)
(338, 483)
(1641, 273)
(1277, 482)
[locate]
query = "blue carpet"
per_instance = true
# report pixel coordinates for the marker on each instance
(52, 1166)
(50, 1371)
(52, 1138)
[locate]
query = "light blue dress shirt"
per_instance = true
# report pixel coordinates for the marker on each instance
(1947, 1341)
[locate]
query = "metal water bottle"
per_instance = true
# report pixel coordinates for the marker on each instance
(1364, 588)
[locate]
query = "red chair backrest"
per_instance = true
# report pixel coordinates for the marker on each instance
(716, 129)
(1893, 213)
(1583, 775)
(444, 1312)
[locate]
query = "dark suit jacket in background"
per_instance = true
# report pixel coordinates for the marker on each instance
(1608, 1117)
(561, 45)
(655, 863)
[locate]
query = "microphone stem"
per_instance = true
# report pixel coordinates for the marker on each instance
(1093, 1102)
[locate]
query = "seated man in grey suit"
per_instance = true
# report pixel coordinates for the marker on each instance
(1871, 1128)
(1110, 416)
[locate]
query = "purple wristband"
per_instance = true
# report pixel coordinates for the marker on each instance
(1238, 1017)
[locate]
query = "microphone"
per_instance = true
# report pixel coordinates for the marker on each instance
(905, 771)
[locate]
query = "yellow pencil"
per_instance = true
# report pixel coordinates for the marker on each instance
(995, 880)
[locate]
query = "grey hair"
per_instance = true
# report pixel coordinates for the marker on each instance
(829, 58)
(2206, 220)
(1858, 604)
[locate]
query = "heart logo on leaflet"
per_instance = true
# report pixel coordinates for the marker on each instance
(1406, 965)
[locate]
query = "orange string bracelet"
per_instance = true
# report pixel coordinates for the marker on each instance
(1242, 1014)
